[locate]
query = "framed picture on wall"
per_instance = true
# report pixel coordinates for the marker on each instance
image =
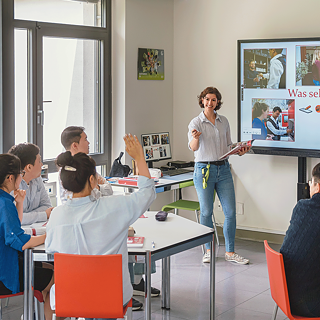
(150, 64)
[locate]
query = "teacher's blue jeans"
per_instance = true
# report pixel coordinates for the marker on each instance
(220, 179)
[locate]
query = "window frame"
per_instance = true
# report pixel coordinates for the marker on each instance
(36, 30)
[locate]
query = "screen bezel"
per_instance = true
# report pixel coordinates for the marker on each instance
(296, 152)
(169, 144)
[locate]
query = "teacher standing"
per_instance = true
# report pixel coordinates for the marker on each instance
(209, 137)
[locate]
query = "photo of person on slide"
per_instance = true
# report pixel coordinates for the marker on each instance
(308, 66)
(277, 74)
(275, 119)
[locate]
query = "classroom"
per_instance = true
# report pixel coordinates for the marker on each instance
(199, 39)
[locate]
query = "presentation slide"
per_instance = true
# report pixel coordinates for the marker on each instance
(280, 93)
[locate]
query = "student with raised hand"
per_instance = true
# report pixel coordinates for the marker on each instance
(13, 240)
(91, 225)
(75, 140)
(37, 205)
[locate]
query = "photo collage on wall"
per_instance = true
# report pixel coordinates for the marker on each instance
(156, 146)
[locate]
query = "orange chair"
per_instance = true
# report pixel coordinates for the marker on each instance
(89, 286)
(278, 283)
(38, 299)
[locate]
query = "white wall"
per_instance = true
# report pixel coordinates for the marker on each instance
(141, 106)
(205, 54)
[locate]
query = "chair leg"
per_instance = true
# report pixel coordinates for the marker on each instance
(0, 309)
(7, 302)
(215, 229)
(275, 311)
(128, 315)
(54, 316)
(39, 309)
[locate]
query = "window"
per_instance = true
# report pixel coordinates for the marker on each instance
(75, 12)
(57, 75)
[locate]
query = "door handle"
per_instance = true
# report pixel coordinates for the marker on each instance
(40, 116)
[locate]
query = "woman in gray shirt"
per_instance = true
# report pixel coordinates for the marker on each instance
(209, 137)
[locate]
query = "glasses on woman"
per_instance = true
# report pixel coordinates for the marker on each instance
(22, 172)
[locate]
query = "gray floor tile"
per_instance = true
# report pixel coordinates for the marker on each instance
(244, 314)
(262, 302)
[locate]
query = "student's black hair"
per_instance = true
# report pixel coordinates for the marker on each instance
(9, 164)
(70, 135)
(26, 152)
(316, 173)
(275, 109)
(75, 170)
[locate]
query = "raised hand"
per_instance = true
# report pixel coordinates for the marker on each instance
(133, 146)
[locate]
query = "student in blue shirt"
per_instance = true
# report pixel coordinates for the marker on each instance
(93, 225)
(13, 240)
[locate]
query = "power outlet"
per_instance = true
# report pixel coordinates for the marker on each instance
(219, 206)
(240, 208)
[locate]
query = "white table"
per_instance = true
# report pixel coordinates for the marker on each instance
(172, 236)
(166, 183)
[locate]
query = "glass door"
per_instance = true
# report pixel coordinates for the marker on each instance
(69, 88)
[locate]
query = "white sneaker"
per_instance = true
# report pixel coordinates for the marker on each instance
(236, 258)
(206, 257)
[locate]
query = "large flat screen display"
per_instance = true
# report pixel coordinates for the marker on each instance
(279, 95)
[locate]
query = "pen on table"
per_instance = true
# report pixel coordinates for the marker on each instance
(152, 244)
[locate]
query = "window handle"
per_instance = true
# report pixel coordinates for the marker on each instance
(40, 116)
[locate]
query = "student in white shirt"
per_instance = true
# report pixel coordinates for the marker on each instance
(75, 140)
(89, 224)
(36, 205)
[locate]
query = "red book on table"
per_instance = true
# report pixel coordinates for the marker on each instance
(135, 242)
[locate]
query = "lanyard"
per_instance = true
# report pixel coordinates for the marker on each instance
(205, 176)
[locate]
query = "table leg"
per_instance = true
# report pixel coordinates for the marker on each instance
(163, 287)
(165, 295)
(28, 288)
(175, 198)
(212, 277)
(148, 285)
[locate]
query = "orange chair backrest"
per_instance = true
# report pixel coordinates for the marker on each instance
(88, 286)
(277, 279)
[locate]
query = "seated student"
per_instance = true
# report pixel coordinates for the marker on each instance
(301, 252)
(75, 226)
(13, 240)
(74, 139)
(37, 205)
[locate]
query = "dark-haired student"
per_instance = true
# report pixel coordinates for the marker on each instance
(37, 205)
(75, 140)
(13, 240)
(301, 252)
(90, 224)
